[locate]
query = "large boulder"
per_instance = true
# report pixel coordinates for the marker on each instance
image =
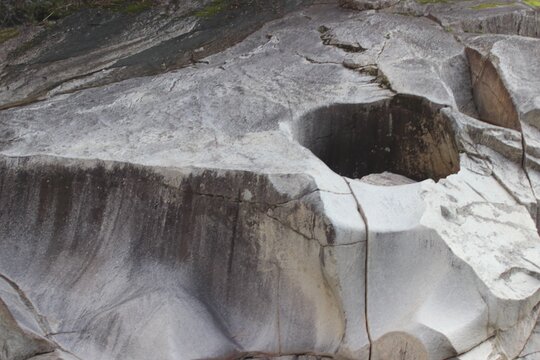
(339, 184)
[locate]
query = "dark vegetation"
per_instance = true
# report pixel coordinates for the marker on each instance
(17, 12)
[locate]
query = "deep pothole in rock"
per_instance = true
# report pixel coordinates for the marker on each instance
(405, 135)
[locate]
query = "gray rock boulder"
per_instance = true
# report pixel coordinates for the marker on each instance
(339, 184)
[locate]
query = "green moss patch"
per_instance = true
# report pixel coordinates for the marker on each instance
(6, 34)
(212, 9)
(533, 3)
(137, 7)
(425, 2)
(125, 6)
(490, 5)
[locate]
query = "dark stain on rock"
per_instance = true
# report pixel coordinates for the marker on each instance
(89, 34)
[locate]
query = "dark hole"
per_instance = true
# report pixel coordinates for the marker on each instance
(406, 135)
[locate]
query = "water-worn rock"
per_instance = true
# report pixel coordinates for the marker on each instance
(98, 46)
(480, 16)
(21, 335)
(499, 74)
(339, 184)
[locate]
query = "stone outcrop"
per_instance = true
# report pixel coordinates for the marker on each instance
(326, 183)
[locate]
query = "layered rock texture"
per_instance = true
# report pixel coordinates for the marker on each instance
(285, 179)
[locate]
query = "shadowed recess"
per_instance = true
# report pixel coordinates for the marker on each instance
(406, 135)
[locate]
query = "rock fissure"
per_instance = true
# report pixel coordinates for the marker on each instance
(507, 188)
(530, 262)
(278, 309)
(247, 246)
(44, 92)
(531, 353)
(530, 335)
(328, 39)
(234, 233)
(313, 61)
(288, 226)
(63, 332)
(527, 175)
(366, 263)
(239, 199)
(40, 319)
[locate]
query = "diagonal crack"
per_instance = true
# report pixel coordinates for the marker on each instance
(41, 320)
(293, 229)
(531, 334)
(313, 61)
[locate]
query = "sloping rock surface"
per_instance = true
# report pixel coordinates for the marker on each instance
(352, 180)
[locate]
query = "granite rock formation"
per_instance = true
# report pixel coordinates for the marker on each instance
(299, 180)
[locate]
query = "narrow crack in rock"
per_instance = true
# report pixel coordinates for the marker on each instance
(328, 39)
(531, 334)
(164, 230)
(239, 199)
(318, 62)
(41, 320)
(529, 354)
(526, 171)
(63, 332)
(278, 309)
(234, 232)
(364, 218)
(288, 226)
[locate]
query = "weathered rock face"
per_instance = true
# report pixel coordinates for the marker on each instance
(147, 228)
(96, 47)
(339, 184)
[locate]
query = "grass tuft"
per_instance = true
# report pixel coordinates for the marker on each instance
(8, 33)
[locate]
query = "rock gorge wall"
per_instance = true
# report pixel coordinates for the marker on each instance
(165, 251)
(339, 184)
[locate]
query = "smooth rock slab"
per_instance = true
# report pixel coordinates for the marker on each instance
(183, 215)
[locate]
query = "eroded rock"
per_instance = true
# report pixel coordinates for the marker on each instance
(234, 208)
(22, 334)
(405, 135)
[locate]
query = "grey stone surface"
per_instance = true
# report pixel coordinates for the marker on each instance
(499, 72)
(335, 185)
(97, 46)
(481, 17)
(22, 332)
(367, 4)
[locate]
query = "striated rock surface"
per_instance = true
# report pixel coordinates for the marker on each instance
(349, 180)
